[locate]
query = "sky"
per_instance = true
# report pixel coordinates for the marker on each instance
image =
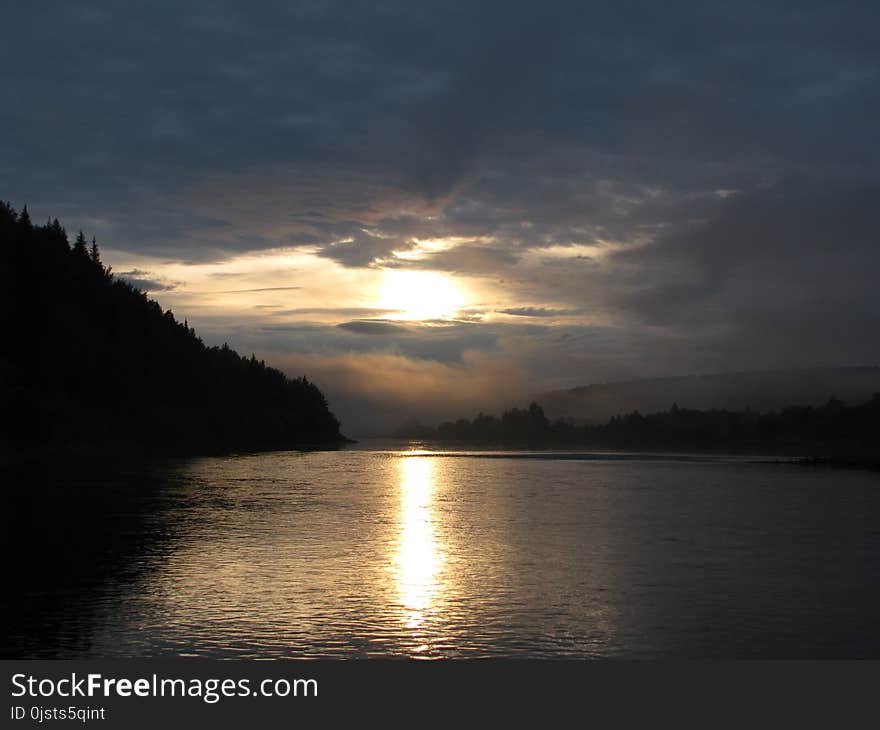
(431, 208)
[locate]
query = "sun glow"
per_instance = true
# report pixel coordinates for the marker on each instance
(420, 295)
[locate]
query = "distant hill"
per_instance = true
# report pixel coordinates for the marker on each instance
(88, 360)
(833, 433)
(760, 391)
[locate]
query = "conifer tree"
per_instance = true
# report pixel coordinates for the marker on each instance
(79, 246)
(24, 219)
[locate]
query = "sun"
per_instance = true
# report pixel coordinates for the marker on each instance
(420, 295)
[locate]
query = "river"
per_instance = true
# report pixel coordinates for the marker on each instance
(390, 551)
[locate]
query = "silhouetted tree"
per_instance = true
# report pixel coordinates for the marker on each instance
(80, 246)
(846, 433)
(86, 358)
(24, 220)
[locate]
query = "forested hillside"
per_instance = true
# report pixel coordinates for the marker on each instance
(88, 359)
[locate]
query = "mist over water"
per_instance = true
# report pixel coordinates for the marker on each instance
(377, 552)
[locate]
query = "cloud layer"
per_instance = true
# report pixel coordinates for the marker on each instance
(619, 189)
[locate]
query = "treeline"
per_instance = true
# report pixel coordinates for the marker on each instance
(88, 359)
(834, 430)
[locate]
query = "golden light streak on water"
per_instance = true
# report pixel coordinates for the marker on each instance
(419, 555)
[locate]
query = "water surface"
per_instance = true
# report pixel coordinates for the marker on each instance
(384, 552)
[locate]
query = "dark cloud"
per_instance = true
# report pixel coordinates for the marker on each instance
(373, 327)
(496, 112)
(466, 259)
(339, 311)
(696, 182)
(536, 311)
(776, 277)
(262, 288)
(360, 248)
(141, 280)
(443, 341)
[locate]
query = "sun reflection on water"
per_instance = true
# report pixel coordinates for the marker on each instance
(419, 555)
